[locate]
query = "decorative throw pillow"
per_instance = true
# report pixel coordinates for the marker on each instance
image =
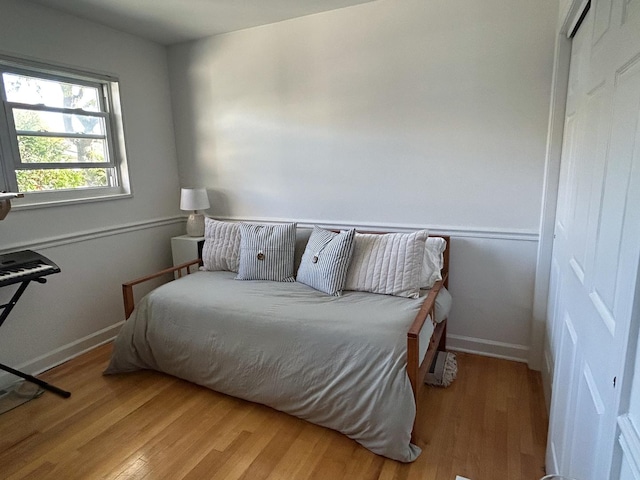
(390, 264)
(267, 252)
(326, 259)
(221, 249)
(433, 261)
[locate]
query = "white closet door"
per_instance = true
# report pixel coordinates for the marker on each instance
(597, 241)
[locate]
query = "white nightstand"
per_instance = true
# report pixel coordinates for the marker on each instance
(185, 248)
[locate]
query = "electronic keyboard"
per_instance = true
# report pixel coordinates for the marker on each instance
(23, 266)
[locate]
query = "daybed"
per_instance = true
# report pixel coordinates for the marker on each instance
(354, 362)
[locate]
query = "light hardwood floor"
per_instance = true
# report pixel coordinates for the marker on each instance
(490, 424)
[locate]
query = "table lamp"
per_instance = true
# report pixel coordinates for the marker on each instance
(193, 199)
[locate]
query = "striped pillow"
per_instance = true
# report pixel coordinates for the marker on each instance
(326, 259)
(267, 252)
(221, 249)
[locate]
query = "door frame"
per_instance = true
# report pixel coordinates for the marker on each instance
(541, 352)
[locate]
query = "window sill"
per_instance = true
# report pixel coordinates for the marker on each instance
(57, 199)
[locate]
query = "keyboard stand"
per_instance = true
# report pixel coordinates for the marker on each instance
(3, 316)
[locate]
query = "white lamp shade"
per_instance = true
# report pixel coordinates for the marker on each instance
(194, 199)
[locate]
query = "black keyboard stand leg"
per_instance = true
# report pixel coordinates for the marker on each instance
(37, 381)
(12, 303)
(3, 316)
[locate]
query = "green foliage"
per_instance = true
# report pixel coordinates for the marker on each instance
(60, 179)
(50, 150)
(38, 180)
(42, 150)
(95, 177)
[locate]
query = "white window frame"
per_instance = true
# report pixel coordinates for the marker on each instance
(110, 110)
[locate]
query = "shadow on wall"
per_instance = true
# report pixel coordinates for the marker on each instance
(219, 201)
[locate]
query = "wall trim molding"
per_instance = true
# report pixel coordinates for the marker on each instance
(83, 236)
(629, 441)
(526, 235)
(64, 353)
(488, 348)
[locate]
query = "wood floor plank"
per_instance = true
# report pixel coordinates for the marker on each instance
(79, 425)
(302, 454)
(171, 454)
(215, 459)
(288, 431)
(490, 423)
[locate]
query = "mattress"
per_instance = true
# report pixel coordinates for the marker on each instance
(339, 362)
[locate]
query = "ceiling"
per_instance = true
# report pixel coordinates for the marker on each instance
(173, 21)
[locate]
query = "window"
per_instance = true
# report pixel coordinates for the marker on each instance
(61, 135)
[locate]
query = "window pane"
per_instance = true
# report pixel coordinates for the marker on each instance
(62, 179)
(35, 91)
(38, 121)
(61, 150)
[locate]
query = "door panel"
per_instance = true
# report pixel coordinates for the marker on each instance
(631, 8)
(586, 437)
(603, 17)
(563, 394)
(567, 174)
(608, 271)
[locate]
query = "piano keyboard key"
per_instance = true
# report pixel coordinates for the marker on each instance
(25, 271)
(24, 266)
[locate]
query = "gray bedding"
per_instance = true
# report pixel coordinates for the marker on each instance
(339, 362)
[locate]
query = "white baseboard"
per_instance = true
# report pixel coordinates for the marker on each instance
(60, 355)
(488, 348)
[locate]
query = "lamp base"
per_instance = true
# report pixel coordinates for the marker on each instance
(195, 225)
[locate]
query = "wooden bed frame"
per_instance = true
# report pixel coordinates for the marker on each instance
(178, 271)
(415, 370)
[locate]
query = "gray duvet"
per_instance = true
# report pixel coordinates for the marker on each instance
(339, 362)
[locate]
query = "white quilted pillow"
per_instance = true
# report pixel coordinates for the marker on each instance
(221, 249)
(390, 264)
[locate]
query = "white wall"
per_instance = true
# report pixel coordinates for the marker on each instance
(97, 245)
(392, 114)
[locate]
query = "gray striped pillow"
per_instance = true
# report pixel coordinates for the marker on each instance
(326, 260)
(267, 252)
